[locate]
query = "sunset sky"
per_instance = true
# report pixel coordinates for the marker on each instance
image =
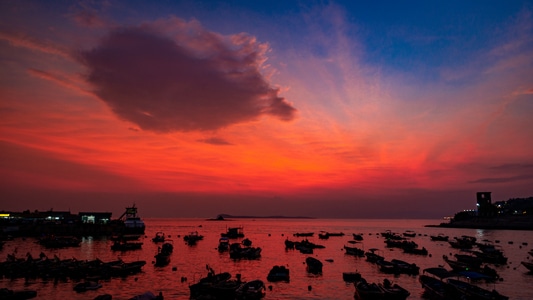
(334, 109)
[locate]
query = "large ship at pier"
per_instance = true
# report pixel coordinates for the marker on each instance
(133, 224)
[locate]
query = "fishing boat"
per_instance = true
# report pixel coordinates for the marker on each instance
(162, 258)
(367, 291)
(314, 265)
(132, 222)
(126, 246)
(432, 280)
(87, 286)
(278, 273)
(254, 289)
(159, 237)
(439, 237)
(193, 237)
(471, 291)
(393, 291)
(351, 250)
(223, 244)
(528, 265)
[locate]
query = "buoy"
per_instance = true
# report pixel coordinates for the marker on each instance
(309, 287)
(174, 268)
(430, 255)
(136, 278)
(282, 234)
(270, 287)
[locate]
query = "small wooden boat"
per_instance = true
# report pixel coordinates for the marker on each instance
(367, 291)
(87, 286)
(17, 295)
(298, 234)
(471, 291)
(159, 237)
(439, 237)
(313, 265)
(528, 265)
(254, 289)
(354, 251)
(351, 276)
(278, 273)
(393, 291)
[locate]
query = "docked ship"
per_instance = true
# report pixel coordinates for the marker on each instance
(132, 222)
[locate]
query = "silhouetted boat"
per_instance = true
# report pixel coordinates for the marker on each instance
(126, 246)
(298, 234)
(133, 224)
(223, 244)
(409, 233)
(432, 280)
(528, 265)
(313, 265)
(254, 289)
(278, 273)
(87, 286)
(159, 237)
(471, 291)
(193, 237)
(354, 251)
(233, 233)
(393, 291)
(162, 258)
(439, 237)
(8, 294)
(368, 291)
(351, 276)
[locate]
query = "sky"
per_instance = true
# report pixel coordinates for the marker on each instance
(328, 109)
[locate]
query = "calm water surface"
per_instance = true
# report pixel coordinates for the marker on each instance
(269, 234)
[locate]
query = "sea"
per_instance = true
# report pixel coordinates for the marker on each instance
(190, 263)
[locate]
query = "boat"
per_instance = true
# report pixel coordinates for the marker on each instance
(233, 233)
(393, 291)
(388, 267)
(471, 291)
(159, 237)
(354, 251)
(204, 287)
(126, 246)
(409, 233)
(132, 222)
(314, 265)
(439, 237)
(192, 238)
(405, 267)
(246, 242)
(367, 291)
(8, 294)
(417, 251)
(223, 244)
(125, 269)
(87, 286)
(473, 261)
(299, 234)
(357, 237)
(432, 280)
(278, 273)
(323, 235)
(236, 251)
(125, 237)
(162, 258)
(351, 276)
(254, 289)
(528, 265)
(372, 256)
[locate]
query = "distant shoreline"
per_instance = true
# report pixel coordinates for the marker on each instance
(226, 217)
(495, 223)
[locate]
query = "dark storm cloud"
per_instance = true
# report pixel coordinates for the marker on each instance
(197, 80)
